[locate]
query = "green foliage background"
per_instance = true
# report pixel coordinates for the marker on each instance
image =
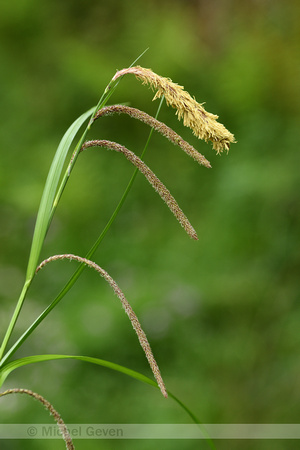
(222, 315)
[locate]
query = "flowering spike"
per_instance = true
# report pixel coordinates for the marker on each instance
(62, 427)
(153, 180)
(126, 305)
(158, 126)
(203, 124)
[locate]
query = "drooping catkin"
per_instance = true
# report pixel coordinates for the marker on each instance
(158, 126)
(153, 180)
(203, 124)
(62, 427)
(127, 307)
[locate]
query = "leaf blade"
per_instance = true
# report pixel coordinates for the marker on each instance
(9, 367)
(44, 212)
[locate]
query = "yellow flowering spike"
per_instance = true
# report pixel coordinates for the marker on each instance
(203, 124)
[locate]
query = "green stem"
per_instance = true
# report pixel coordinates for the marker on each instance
(102, 102)
(80, 269)
(126, 192)
(14, 317)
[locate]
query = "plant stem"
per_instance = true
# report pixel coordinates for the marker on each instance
(14, 317)
(102, 102)
(126, 192)
(69, 169)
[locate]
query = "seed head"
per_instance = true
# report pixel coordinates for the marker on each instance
(158, 126)
(203, 124)
(127, 307)
(152, 178)
(63, 430)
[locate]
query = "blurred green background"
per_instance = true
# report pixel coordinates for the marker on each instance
(222, 314)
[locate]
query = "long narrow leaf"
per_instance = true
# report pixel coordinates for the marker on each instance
(45, 208)
(8, 368)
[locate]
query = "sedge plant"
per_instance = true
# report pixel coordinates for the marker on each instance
(202, 123)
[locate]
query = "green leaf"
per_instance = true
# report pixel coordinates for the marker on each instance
(8, 368)
(44, 212)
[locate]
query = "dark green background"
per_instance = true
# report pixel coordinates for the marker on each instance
(222, 314)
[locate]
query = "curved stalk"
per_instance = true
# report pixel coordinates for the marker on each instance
(14, 317)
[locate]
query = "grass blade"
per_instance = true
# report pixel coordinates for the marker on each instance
(44, 212)
(44, 216)
(10, 367)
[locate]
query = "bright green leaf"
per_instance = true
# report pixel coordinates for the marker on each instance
(44, 212)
